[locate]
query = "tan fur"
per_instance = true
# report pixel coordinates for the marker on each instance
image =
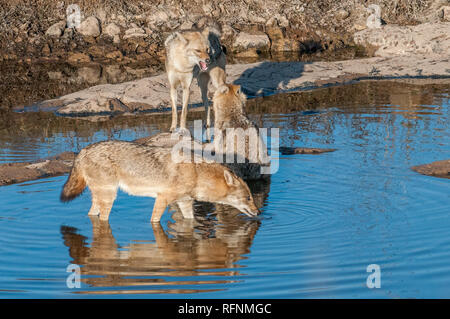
(185, 51)
(229, 112)
(74, 186)
(150, 171)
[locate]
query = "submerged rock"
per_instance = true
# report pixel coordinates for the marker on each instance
(436, 169)
(12, 173)
(304, 150)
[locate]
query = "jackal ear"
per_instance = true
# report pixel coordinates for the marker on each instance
(229, 179)
(223, 89)
(237, 89)
(205, 32)
(181, 37)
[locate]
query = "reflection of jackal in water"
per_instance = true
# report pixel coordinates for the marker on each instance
(184, 250)
(150, 171)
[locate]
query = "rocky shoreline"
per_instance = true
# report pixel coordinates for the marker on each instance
(133, 31)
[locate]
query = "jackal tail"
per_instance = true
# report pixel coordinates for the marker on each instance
(74, 186)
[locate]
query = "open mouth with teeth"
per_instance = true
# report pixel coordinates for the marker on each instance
(203, 65)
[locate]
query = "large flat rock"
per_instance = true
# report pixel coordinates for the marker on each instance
(257, 79)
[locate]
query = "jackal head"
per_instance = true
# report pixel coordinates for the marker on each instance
(196, 47)
(228, 95)
(238, 195)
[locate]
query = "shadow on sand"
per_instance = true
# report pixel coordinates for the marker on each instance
(268, 78)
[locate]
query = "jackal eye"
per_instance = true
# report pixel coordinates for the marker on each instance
(248, 198)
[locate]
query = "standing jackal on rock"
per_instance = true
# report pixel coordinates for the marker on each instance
(150, 171)
(194, 53)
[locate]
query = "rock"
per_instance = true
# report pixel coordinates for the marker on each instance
(78, 58)
(280, 43)
(100, 105)
(186, 25)
(68, 33)
(272, 22)
(282, 21)
(256, 79)
(342, 14)
(102, 15)
(437, 169)
(96, 51)
(303, 150)
(115, 55)
(114, 73)
(402, 40)
(46, 50)
(143, 56)
(56, 30)
(134, 33)
(90, 74)
(90, 27)
(359, 27)
(11, 173)
(446, 13)
(227, 31)
(374, 20)
(111, 30)
(158, 18)
(253, 43)
(256, 19)
(55, 75)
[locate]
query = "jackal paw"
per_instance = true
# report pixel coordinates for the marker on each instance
(183, 131)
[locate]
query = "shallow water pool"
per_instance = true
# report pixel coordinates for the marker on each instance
(325, 218)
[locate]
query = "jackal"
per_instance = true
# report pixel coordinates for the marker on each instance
(237, 135)
(150, 171)
(194, 53)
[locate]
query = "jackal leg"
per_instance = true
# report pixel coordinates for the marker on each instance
(95, 210)
(160, 236)
(102, 201)
(173, 97)
(159, 208)
(186, 85)
(203, 80)
(187, 208)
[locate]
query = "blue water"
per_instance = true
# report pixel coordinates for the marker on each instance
(325, 218)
